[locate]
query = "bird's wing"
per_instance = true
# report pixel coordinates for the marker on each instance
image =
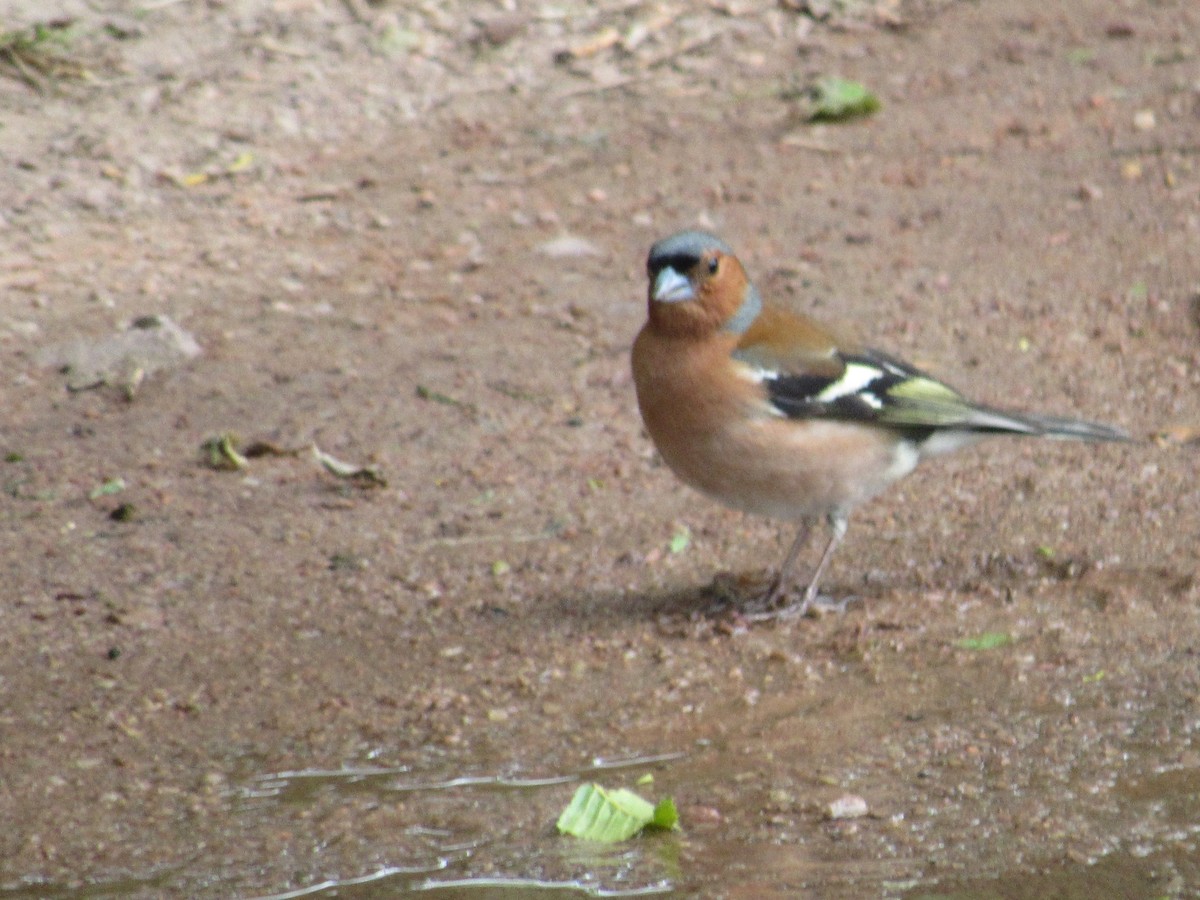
(808, 373)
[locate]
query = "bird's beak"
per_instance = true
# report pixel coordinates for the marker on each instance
(671, 287)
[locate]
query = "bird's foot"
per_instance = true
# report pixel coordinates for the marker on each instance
(813, 606)
(728, 596)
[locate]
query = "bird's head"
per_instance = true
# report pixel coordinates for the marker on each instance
(697, 286)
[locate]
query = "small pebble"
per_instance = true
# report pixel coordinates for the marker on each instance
(569, 245)
(847, 807)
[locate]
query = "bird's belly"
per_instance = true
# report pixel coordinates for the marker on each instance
(789, 470)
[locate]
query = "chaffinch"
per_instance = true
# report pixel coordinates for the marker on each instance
(765, 411)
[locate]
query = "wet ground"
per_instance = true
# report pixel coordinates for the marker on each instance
(274, 681)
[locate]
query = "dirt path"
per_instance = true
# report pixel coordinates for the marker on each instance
(220, 683)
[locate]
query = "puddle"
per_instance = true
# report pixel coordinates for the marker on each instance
(495, 850)
(1164, 874)
(975, 786)
(498, 842)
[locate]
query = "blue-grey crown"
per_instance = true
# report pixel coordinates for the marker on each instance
(685, 245)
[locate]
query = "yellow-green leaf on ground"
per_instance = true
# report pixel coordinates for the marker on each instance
(680, 539)
(989, 640)
(597, 814)
(666, 816)
(836, 99)
(243, 162)
(221, 452)
(110, 487)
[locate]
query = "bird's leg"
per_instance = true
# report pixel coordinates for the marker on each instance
(838, 523)
(780, 584)
(769, 604)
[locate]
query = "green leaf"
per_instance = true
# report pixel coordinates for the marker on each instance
(680, 540)
(596, 814)
(221, 452)
(110, 487)
(837, 99)
(666, 816)
(989, 640)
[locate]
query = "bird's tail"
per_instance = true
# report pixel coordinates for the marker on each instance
(1054, 427)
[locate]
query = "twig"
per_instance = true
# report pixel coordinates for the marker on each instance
(598, 88)
(13, 58)
(682, 50)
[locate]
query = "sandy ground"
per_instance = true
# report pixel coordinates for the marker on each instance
(241, 683)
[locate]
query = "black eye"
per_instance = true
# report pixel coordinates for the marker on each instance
(713, 265)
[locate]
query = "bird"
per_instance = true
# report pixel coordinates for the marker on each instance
(769, 412)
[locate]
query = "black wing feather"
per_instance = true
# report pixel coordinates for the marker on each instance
(799, 396)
